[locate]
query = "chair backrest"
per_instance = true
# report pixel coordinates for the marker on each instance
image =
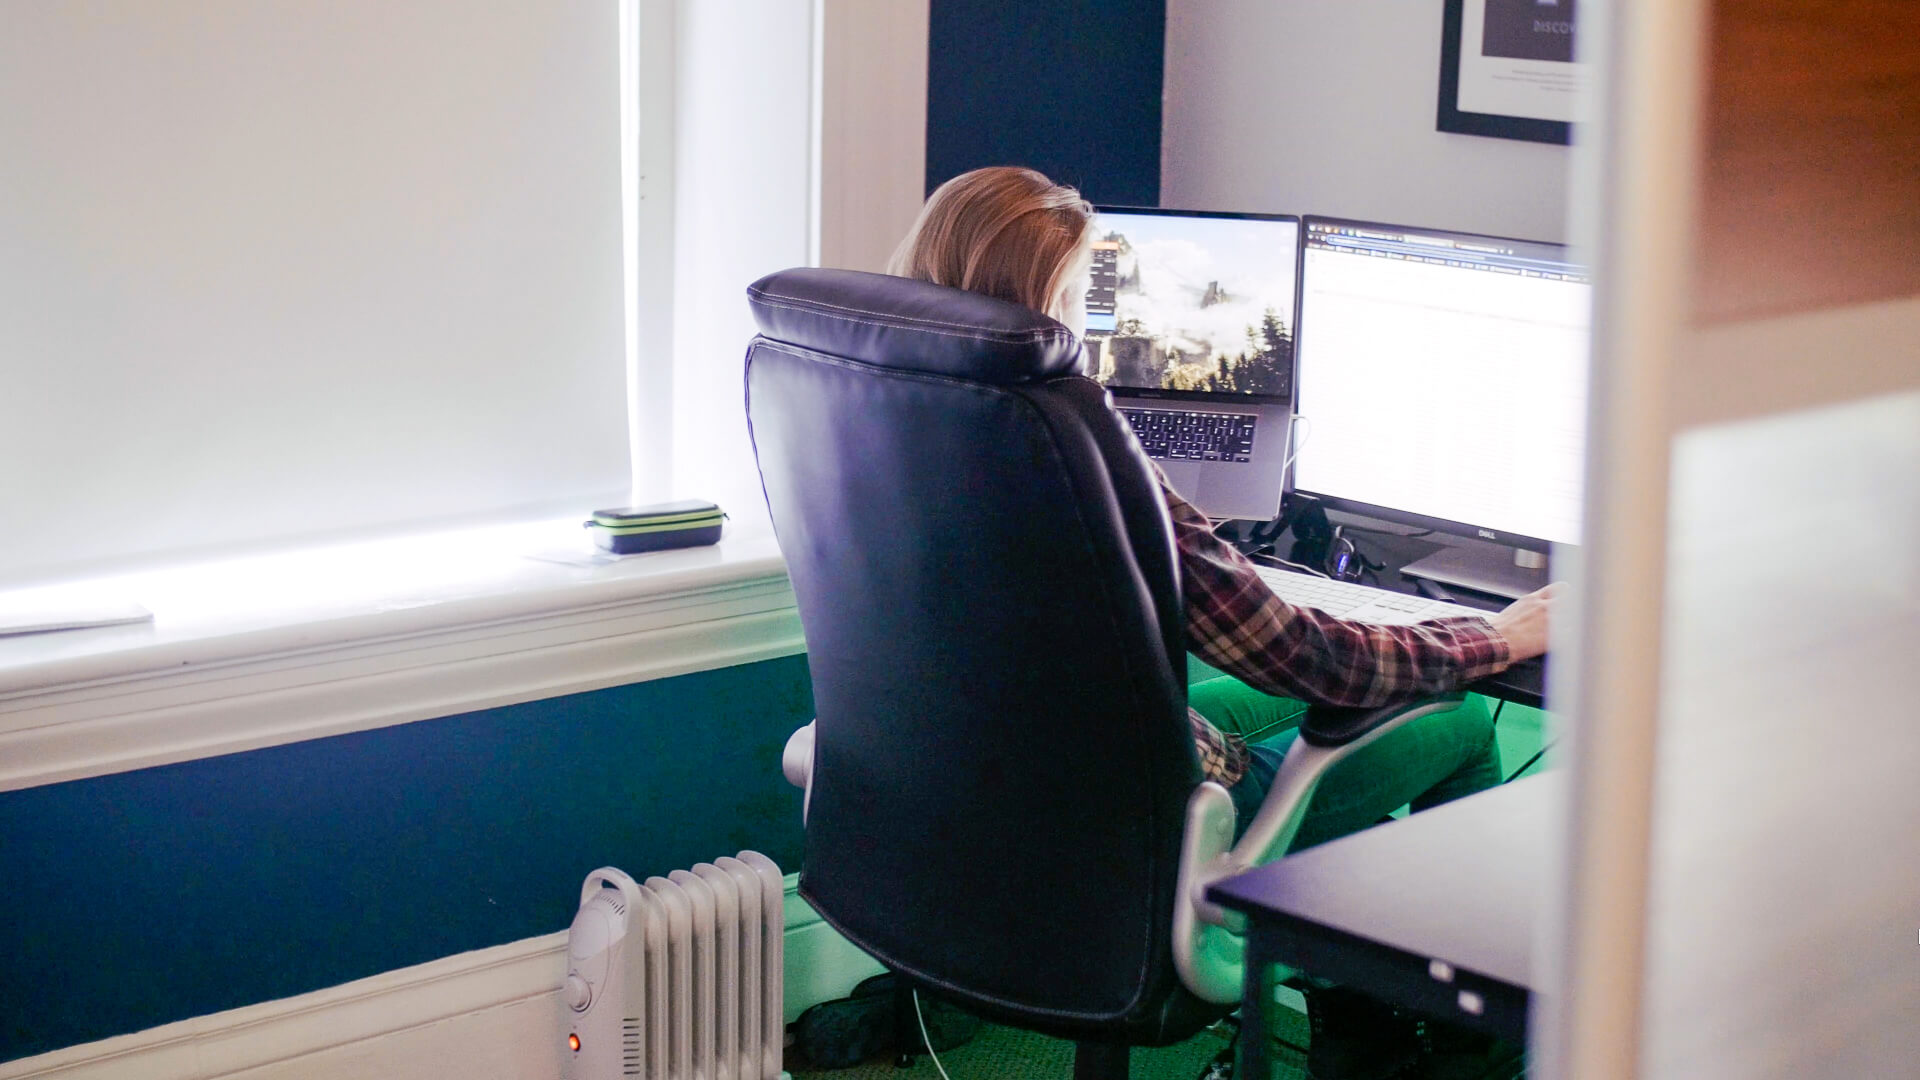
(987, 584)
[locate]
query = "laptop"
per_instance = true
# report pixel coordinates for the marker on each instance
(1190, 320)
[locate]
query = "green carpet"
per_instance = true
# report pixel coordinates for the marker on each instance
(1004, 1053)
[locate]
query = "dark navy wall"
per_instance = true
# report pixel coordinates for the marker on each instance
(1069, 87)
(146, 897)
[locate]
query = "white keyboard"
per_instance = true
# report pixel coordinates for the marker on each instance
(1362, 603)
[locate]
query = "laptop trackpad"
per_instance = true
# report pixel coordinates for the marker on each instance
(1183, 475)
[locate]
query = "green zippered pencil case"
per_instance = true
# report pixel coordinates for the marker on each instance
(630, 529)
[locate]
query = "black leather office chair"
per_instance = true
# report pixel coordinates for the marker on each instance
(1003, 801)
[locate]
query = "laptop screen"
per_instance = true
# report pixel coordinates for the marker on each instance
(1188, 303)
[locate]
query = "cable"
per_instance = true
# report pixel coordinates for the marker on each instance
(1288, 565)
(1233, 1042)
(1221, 1067)
(1301, 444)
(1367, 561)
(1263, 534)
(1528, 764)
(1284, 465)
(1255, 535)
(924, 1041)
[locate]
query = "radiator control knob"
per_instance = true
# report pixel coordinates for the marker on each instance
(577, 993)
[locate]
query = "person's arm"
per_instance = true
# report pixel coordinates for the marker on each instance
(1237, 624)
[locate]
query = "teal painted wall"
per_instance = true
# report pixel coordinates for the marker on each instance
(141, 898)
(1069, 87)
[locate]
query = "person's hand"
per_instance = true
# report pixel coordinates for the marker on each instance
(1524, 623)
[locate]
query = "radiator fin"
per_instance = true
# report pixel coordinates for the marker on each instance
(701, 979)
(727, 983)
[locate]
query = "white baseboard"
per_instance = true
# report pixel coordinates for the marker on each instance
(492, 1014)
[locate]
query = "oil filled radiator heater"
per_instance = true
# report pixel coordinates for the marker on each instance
(678, 978)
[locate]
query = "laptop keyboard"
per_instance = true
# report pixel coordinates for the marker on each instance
(1174, 435)
(1352, 600)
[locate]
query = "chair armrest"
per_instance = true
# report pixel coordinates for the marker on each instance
(1328, 736)
(1210, 958)
(796, 761)
(1209, 946)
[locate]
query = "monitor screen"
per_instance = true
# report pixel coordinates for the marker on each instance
(1184, 302)
(1443, 376)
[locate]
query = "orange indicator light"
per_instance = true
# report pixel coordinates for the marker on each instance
(573, 1043)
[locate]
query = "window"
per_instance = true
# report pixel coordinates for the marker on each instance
(276, 272)
(272, 270)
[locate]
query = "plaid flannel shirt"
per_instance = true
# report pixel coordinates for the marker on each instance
(1237, 624)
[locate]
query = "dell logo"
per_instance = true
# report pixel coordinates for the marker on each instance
(1488, 533)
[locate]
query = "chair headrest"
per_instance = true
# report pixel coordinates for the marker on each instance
(900, 323)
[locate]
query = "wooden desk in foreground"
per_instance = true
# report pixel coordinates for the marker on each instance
(1435, 912)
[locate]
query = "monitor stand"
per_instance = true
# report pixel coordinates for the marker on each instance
(1496, 571)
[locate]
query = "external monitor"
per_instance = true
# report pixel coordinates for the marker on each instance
(1442, 381)
(1190, 325)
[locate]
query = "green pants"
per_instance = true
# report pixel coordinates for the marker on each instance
(1432, 760)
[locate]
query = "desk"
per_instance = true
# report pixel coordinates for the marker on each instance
(1432, 912)
(1523, 683)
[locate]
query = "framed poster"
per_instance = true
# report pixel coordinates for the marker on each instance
(1507, 69)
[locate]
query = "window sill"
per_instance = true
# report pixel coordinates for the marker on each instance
(273, 649)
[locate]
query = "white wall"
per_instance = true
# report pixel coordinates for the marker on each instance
(873, 128)
(1306, 106)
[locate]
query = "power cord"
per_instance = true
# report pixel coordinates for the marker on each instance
(924, 1041)
(1260, 558)
(1346, 562)
(1299, 445)
(1221, 1067)
(1284, 465)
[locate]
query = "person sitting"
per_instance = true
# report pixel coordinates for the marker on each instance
(1013, 234)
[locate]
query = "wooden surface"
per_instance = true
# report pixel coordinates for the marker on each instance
(1462, 883)
(1810, 187)
(1785, 867)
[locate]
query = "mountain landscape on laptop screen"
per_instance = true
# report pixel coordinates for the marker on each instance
(1186, 303)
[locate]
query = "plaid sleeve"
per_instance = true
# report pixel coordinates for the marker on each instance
(1223, 757)
(1237, 624)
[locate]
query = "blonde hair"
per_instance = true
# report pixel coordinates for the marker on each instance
(1005, 232)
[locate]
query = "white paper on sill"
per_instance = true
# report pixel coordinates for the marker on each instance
(581, 556)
